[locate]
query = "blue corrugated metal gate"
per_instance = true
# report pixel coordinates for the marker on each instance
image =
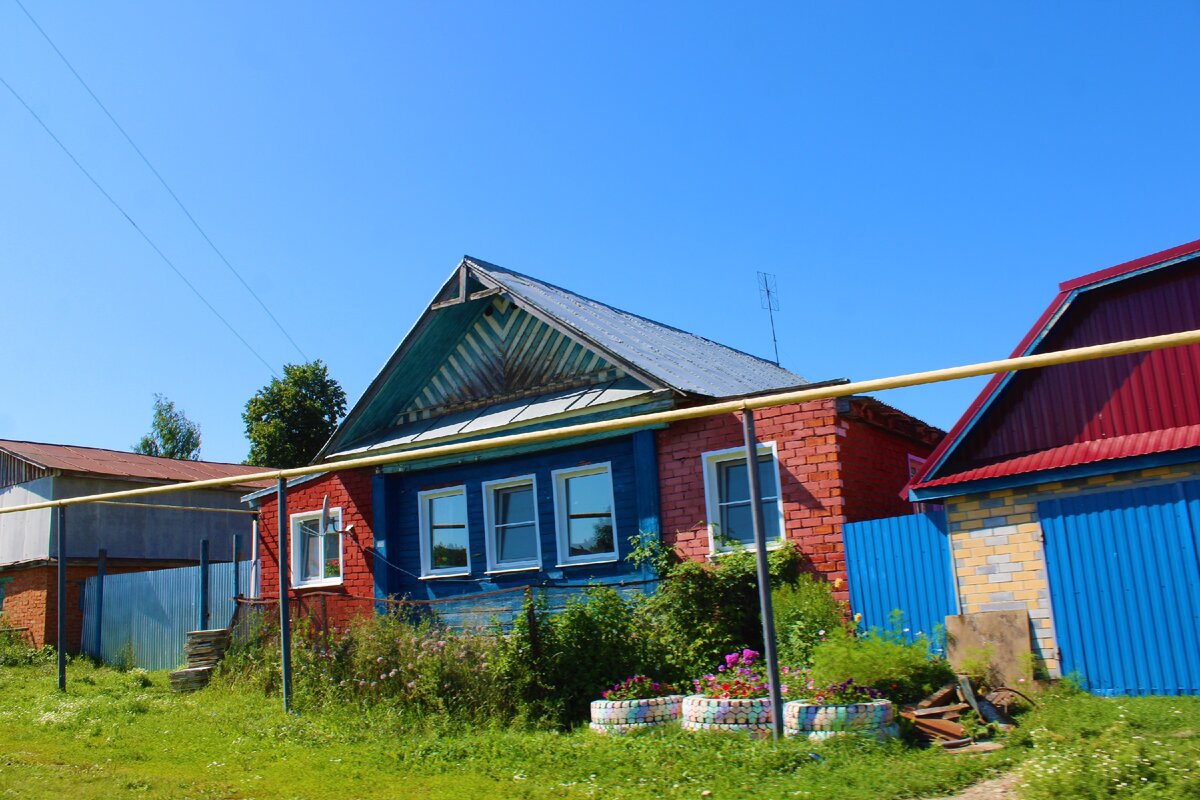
(901, 563)
(1125, 588)
(152, 612)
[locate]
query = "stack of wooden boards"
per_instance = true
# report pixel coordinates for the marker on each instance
(203, 651)
(937, 717)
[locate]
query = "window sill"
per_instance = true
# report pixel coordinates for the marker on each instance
(502, 571)
(321, 584)
(437, 575)
(611, 560)
(774, 544)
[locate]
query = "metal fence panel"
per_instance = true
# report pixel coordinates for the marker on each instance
(1124, 578)
(147, 615)
(901, 564)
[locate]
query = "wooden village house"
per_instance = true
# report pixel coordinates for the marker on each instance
(498, 352)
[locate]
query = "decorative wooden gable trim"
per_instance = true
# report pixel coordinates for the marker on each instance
(14, 470)
(506, 353)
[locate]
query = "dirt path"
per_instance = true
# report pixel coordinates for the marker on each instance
(1002, 788)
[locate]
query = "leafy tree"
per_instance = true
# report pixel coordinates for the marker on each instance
(172, 435)
(288, 420)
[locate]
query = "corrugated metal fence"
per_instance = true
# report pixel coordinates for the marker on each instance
(901, 564)
(147, 615)
(1124, 571)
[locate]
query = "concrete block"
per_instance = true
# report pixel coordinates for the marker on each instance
(986, 570)
(1002, 558)
(999, 578)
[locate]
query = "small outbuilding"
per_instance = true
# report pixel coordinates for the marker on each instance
(135, 537)
(1073, 491)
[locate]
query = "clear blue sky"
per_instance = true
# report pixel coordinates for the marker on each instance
(919, 176)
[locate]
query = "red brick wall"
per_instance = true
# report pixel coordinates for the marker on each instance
(875, 469)
(350, 491)
(806, 437)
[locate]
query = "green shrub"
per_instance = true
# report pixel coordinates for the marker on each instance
(16, 651)
(700, 612)
(902, 671)
(805, 614)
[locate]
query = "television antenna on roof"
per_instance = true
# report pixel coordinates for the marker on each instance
(768, 295)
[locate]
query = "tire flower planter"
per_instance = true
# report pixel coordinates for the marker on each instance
(624, 716)
(750, 716)
(875, 719)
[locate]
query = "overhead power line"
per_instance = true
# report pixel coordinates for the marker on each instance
(161, 180)
(136, 227)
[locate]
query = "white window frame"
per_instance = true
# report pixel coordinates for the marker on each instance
(335, 515)
(560, 477)
(426, 545)
(710, 462)
(489, 493)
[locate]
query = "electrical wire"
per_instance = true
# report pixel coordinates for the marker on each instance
(136, 227)
(161, 179)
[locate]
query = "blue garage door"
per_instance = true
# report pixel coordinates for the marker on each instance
(1125, 588)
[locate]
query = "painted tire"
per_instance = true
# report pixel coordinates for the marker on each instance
(752, 716)
(877, 719)
(623, 716)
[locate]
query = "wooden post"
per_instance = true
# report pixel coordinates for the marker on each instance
(204, 584)
(101, 570)
(285, 627)
(61, 546)
(764, 573)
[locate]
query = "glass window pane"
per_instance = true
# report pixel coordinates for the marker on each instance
(736, 523)
(333, 563)
(514, 504)
(448, 509)
(449, 548)
(733, 484)
(768, 477)
(516, 543)
(770, 515)
(590, 535)
(589, 494)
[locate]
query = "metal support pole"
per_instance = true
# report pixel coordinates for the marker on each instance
(764, 573)
(204, 584)
(285, 627)
(61, 547)
(237, 583)
(101, 570)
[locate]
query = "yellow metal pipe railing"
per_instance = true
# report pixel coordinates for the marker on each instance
(823, 392)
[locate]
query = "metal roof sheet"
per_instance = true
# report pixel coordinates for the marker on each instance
(1073, 455)
(118, 464)
(681, 360)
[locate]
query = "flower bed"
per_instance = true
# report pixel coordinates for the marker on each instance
(740, 715)
(623, 716)
(805, 718)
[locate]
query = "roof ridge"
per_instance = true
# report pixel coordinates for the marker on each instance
(488, 266)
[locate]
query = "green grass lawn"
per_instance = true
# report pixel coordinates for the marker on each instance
(112, 735)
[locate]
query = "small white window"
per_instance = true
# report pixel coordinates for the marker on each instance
(316, 553)
(445, 540)
(727, 497)
(510, 514)
(583, 510)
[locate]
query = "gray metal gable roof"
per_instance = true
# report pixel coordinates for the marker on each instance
(681, 360)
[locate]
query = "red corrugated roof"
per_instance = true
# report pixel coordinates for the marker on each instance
(118, 464)
(1028, 344)
(1072, 455)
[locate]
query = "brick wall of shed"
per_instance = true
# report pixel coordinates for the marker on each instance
(806, 437)
(31, 597)
(334, 605)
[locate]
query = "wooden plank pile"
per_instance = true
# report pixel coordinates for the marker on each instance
(203, 651)
(939, 717)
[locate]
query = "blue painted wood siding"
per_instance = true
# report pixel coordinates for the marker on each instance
(1125, 588)
(635, 493)
(901, 564)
